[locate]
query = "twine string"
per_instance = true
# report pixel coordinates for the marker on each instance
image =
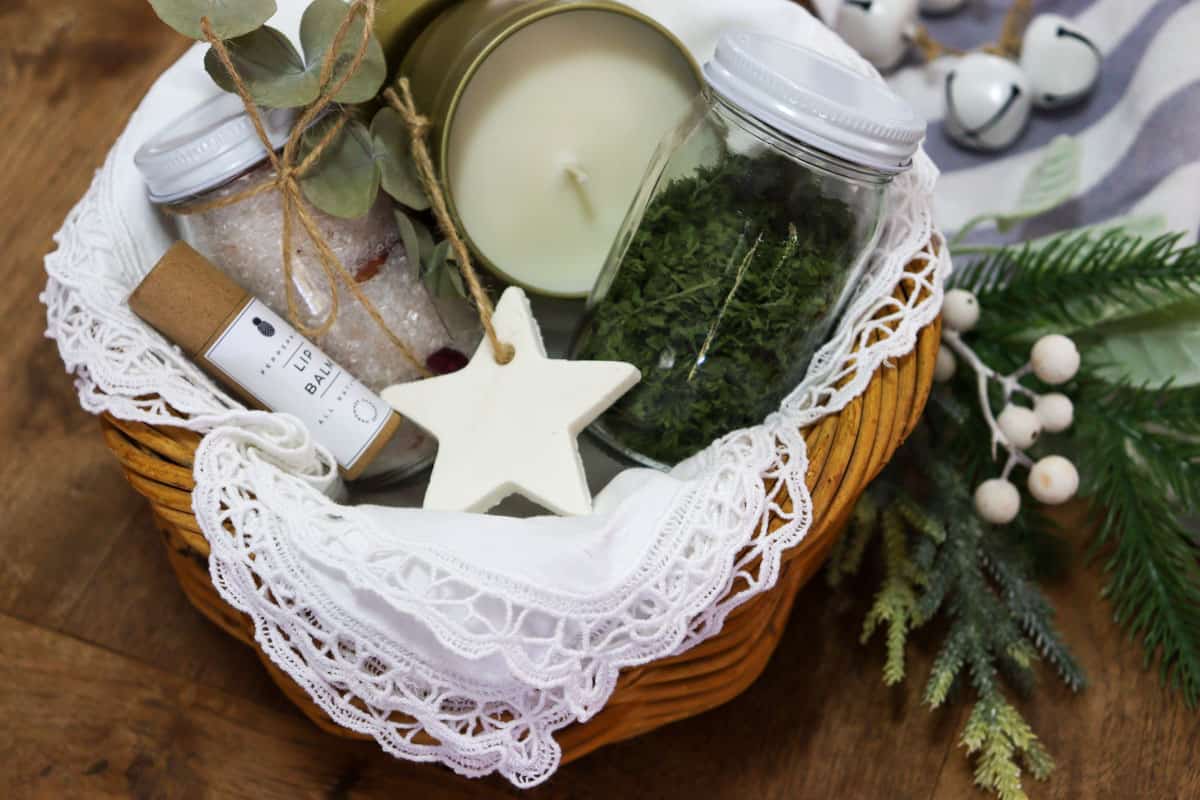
(288, 174)
(1007, 46)
(1015, 23)
(931, 49)
(418, 129)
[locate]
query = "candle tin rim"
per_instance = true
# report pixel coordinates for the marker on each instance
(504, 29)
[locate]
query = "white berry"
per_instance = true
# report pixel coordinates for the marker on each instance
(960, 310)
(945, 366)
(941, 6)
(997, 501)
(1055, 359)
(1053, 480)
(1056, 411)
(988, 101)
(1063, 65)
(877, 29)
(1020, 426)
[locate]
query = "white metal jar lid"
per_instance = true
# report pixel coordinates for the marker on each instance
(816, 100)
(207, 146)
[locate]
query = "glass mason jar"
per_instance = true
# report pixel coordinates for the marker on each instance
(213, 153)
(745, 243)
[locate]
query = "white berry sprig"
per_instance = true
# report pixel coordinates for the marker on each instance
(1054, 360)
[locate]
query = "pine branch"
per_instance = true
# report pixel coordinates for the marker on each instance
(1078, 283)
(1033, 613)
(997, 735)
(895, 604)
(847, 556)
(1142, 470)
(1139, 452)
(939, 559)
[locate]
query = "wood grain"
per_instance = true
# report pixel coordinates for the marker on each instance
(112, 686)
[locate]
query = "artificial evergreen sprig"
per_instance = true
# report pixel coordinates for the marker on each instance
(1077, 284)
(1137, 446)
(939, 560)
(1138, 451)
(1148, 474)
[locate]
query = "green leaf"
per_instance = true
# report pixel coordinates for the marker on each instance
(418, 241)
(399, 175)
(1079, 286)
(278, 77)
(1145, 226)
(440, 274)
(270, 68)
(345, 181)
(1153, 350)
(318, 27)
(228, 19)
(1053, 182)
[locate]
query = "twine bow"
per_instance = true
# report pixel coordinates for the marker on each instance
(294, 207)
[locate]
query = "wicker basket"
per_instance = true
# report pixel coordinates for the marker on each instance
(846, 452)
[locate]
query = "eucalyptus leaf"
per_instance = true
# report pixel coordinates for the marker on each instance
(345, 180)
(390, 136)
(1052, 182)
(436, 257)
(454, 275)
(318, 28)
(1153, 349)
(416, 238)
(269, 66)
(228, 19)
(440, 274)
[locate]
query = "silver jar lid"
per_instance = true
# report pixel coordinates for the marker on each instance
(816, 100)
(207, 146)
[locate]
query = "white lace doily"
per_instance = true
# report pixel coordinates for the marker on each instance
(457, 638)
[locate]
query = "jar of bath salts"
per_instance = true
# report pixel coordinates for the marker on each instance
(745, 244)
(212, 153)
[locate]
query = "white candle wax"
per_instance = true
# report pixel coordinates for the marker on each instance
(552, 137)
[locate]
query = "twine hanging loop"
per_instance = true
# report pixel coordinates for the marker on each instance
(418, 129)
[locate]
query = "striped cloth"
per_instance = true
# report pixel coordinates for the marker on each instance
(1140, 128)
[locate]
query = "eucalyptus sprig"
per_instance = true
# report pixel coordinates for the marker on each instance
(365, 157)
(228, 19)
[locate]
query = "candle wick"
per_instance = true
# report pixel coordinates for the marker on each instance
(580, 180)
(578, 175)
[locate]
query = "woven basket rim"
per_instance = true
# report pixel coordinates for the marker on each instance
(843, 459)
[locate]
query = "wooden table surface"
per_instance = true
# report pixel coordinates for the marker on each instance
(111, 685)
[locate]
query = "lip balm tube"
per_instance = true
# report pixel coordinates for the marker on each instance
(261, 358)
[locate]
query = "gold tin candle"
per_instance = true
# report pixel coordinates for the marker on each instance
(546, 114)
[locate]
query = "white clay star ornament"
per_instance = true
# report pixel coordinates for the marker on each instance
(505, 429)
